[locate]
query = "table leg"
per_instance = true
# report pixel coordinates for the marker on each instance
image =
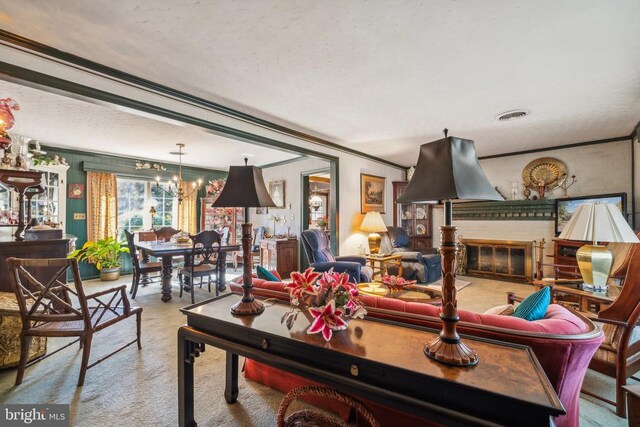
(222, 271)
(144, 278)
(400, 269)
(231, 384)
(187, 353)
(167, 272)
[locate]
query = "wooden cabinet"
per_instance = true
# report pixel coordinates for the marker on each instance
(280, 255)
(49, 205)
(415, 218)
(564, 253)
(227, 221)
(39, 249)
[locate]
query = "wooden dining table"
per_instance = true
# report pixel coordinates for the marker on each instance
(167, 250)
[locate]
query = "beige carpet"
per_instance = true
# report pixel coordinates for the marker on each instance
(138, 388)
(460, 284)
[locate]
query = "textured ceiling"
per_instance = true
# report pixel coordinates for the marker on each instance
(65, 122)
(379, 76)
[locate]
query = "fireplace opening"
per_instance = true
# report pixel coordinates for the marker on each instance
(500, 259)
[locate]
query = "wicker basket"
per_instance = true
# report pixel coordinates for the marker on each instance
(308, 418)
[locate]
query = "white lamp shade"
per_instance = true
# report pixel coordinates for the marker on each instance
(598, 222)
(373, 223)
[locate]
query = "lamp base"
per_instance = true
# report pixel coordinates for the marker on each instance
(247, 308)
(248, 305)
(594, 262)
(455, 354)
(374, 243)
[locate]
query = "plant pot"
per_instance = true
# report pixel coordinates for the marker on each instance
(109, 274)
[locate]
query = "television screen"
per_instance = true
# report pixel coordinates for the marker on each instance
(565, 208)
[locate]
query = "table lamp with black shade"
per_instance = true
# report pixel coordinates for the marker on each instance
(448, 169)
(245, 189)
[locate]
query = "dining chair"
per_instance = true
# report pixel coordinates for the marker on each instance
(57, 309)
(165, 233)
(204, 260)
(140, 267)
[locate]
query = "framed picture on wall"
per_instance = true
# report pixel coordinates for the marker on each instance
(566, 207)
(372, 193)
(276, 191)
(75, 191)
(262, 211)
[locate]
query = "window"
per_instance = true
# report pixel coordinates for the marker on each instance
(164, 206)
(135, 199)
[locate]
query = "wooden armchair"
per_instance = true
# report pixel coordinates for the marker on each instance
(47, 310)
(619, 354)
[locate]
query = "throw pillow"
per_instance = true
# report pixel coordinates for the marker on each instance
(534, 306)
(504, 310)
(265, 274)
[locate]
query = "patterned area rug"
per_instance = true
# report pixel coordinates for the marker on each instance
(437, 285)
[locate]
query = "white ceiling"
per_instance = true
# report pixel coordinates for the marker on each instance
(70, 123)
(379, 76)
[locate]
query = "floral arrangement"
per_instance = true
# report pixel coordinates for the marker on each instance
(396, 283)
(214, 188)
(322, 222)
(329, 298)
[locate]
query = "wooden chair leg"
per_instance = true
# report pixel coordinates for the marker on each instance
(621, 381)
(139, 329)
(180, 283)
(24, 357)
(85, 358)
(136, 282)
(193, 295)
(133, 282)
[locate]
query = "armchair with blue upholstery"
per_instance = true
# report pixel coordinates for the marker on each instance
(423, 266)
(318, 250)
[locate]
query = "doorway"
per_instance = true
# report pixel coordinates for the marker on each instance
(317, 209)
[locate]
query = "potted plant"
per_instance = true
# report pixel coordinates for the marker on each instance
(105, 255)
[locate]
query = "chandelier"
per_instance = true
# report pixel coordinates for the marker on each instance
(176, 188)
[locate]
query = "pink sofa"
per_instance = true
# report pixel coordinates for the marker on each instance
(564, 343)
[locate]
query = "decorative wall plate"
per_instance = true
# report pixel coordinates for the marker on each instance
(552, 172)
(421, 213)
(421, 229)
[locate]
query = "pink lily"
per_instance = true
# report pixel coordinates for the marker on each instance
(303, 283)
(326, 320)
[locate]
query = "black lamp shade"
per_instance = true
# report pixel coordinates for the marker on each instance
(448, 169)
(244, 189)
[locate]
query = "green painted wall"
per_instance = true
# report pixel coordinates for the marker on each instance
(125, 167)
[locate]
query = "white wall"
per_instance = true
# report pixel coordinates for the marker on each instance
(599, 169)
(291, 174)
(637, 180)
(349, 217)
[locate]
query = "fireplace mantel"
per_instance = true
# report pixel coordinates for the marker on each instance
(509, 210)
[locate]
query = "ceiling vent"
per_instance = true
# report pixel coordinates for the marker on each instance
(511, 115)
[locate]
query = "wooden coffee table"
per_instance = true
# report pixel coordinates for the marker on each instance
(380, 290)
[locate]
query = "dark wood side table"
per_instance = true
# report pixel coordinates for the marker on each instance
(633, 404)
(280, 255)
(508, 383)
(567, 292)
